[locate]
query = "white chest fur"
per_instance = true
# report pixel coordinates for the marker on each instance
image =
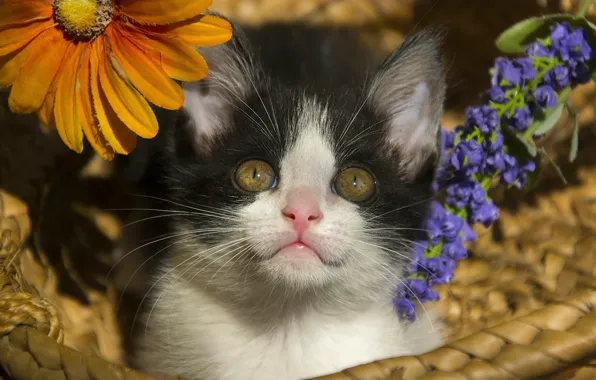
(191, 336)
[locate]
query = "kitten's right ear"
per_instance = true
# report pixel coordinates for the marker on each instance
(408, 93)
(209, 103)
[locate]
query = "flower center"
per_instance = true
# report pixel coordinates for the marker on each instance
(84, 19)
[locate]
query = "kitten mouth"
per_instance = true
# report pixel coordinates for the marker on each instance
(298, 251)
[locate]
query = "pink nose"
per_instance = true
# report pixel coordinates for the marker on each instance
(301, 211)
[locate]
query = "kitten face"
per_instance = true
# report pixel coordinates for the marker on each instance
(300, 189)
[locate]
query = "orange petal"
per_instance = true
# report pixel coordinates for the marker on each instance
(88, 121)
(46, 113)
(179, 60)
(10, 65)
(65, 110)
(44, 56)
(126, 101)
(14, 38)
(120, 138)
(22, 11)
(146, 75)
(163, 12)
(205, 30)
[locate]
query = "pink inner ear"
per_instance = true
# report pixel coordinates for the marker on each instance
(302, 209)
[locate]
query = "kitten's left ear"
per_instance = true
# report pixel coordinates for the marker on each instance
(408, 91)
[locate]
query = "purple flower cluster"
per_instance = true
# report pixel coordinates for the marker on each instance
(476, 153)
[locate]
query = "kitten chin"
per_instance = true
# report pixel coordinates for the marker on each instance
(297, 186)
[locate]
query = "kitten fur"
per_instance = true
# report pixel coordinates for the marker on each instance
(310, 102)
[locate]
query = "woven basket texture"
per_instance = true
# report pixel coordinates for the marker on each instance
(522, 306)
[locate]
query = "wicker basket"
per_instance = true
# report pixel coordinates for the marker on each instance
(522, 306)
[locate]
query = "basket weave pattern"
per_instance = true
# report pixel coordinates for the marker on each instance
(522, 306)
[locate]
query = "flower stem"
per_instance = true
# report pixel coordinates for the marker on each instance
(584, 9)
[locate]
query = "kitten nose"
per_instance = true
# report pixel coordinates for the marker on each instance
(301, 211)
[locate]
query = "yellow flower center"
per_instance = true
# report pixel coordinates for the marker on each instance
(83, 19)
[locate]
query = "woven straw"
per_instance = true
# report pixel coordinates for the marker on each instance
(523, 306)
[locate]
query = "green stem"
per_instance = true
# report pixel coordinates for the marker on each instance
(562, 99)
(584, 9)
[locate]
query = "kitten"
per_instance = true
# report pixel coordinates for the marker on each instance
(302, 177)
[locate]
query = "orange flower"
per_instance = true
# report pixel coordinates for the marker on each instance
(88, 67)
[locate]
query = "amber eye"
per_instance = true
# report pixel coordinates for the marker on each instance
(355, 185)
(255, 176)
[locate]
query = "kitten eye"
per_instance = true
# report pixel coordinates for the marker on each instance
(355, 185)
(255, 176)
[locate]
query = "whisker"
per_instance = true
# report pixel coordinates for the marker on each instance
(153, 217)
(218, 210)
(403, 207)
(173, 235)
(220, 248)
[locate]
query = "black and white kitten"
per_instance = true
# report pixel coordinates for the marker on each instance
(302, 178)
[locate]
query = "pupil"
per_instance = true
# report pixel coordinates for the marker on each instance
(254, 173)
(355, 181)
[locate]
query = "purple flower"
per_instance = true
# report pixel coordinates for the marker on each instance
(486, 214)
(438, 269)
(467, 157)
(495, 162)
(478, 195)
(467, 233)
(434, 222)
(419, 249)
(510, 173)
(481, 155)
(496, 94)
(494, 143)
(544, 96)
(579, 73)
(559, 38)
(537, 49)
(506, 73)
(516, 174)
(435, 186)
(447, 138)
(483, 117)
(447, 266)
(481, 210)
(420, 290)
(458, 193)
(451, 226)
(520, 120)
(528, 72)
(405, 308)
(570, 44)
(526, 168)
(557, 77)
(442, 173)
(455, 250)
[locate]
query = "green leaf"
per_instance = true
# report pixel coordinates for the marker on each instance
(530, 146)
(517, 145)
(457, 139)
(550, 120)
(515, 39)
(554, 164)
(575, 135)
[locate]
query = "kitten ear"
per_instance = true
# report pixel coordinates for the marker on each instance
(209, 103)
(408, 91)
